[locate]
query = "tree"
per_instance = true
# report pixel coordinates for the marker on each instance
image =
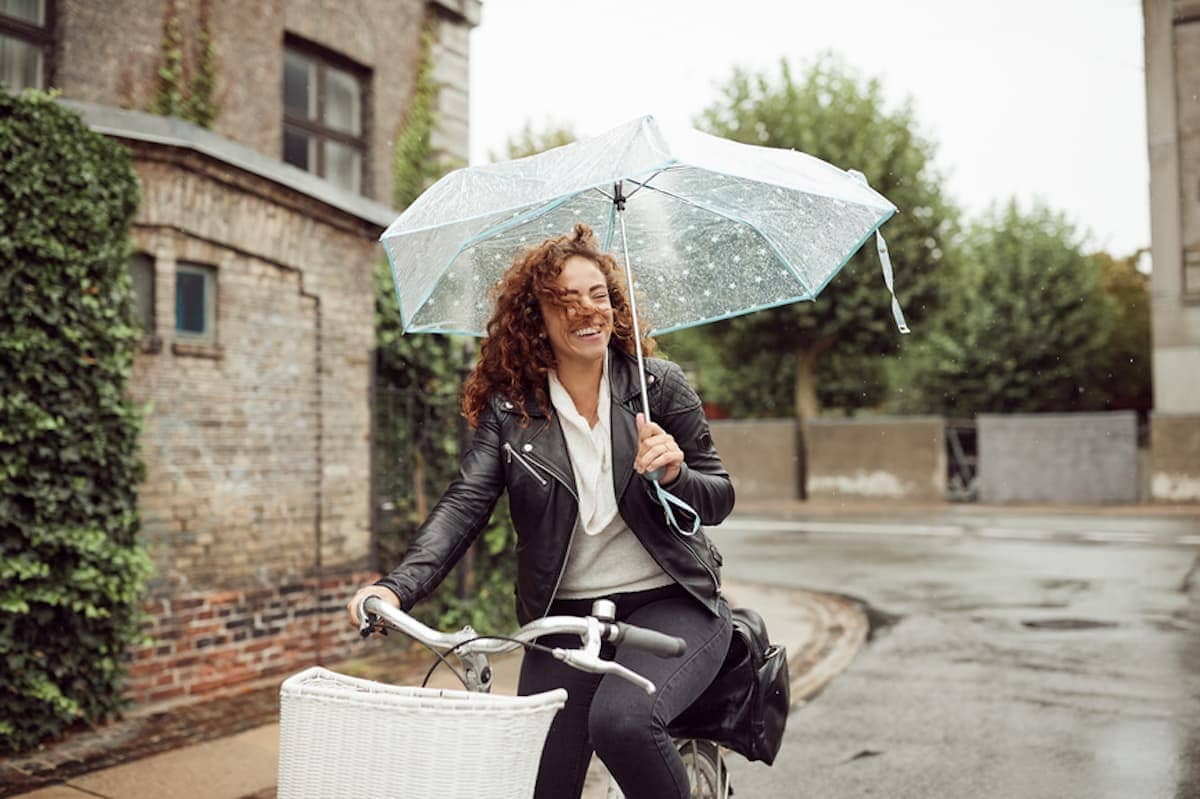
(1124, 377)
(1028, 330)
(831, 113)
(531, 142)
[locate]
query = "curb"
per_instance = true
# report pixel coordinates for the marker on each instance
(824, 631)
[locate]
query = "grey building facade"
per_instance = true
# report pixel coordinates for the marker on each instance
(1172, 30)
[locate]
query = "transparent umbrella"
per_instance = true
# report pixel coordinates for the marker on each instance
(709, 228)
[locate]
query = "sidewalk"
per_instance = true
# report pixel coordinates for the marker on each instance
(842, 510)
(154, 754)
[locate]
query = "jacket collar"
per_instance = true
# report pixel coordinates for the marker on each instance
(626, 403)
(623, 379)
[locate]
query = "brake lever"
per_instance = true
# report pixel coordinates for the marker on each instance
(596, 665)
(369, 623)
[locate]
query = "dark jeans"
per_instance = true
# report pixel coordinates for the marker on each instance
(625, 726)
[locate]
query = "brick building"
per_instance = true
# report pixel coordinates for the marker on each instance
(1173, 127)
(256, 245)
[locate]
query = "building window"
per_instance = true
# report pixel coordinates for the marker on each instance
(195, 303)
(323, 116)
(141, 271)
(26, 39)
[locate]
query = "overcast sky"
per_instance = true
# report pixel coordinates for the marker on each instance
(1032, 98)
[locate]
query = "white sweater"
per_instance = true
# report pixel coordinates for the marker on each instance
(605, 556)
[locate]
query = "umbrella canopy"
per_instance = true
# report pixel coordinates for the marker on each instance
(715, 228)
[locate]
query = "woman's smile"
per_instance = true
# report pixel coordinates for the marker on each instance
(580, 331)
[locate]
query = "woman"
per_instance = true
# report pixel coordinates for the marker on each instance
(554, 402)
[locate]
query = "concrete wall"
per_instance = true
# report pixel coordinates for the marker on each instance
(760, 455)
(888, 457)
(1174, 458)
(1065, 458)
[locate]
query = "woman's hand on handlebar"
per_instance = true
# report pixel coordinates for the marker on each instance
(363, 593)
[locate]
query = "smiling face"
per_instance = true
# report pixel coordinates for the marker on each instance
(579, 332)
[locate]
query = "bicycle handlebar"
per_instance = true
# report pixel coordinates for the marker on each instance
(590, 629)
(652, 641)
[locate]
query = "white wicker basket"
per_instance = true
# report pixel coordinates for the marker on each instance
(341, 736)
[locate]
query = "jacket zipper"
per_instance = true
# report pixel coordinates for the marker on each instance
(512, 453)
(700, 560)
(528, 463)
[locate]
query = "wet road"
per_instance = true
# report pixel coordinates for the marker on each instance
(1012, 657)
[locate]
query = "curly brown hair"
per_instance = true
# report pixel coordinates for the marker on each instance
(516, 355)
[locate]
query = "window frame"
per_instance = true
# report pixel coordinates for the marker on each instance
(39, 36)
(209, 273)
(316, 129)
(141, 256)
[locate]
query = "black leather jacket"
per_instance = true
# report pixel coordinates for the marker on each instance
(532, 463)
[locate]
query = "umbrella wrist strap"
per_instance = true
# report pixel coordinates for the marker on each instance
(670, 503)
(885, 263)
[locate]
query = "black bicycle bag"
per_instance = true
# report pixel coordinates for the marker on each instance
(746, 706)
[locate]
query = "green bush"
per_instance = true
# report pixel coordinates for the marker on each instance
(71, 569)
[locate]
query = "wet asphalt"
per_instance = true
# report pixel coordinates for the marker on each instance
(1011, 656)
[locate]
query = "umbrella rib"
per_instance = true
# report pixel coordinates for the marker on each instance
(783, 259)
(641, 184)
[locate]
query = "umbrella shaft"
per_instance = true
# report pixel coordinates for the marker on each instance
(637, 330)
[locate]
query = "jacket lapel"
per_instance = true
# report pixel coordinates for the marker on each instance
(544, 439)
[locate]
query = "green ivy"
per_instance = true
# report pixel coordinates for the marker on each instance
(425, 372)
(418, 427)
(168, 97)
(176, 95)
(71, 569)
(416, 164)
(201, 105)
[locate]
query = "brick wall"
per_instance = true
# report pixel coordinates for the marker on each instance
(110, 52)
(257, 445)
(203, 642)
(255, 507)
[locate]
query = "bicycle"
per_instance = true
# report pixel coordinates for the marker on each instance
(471, 743)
